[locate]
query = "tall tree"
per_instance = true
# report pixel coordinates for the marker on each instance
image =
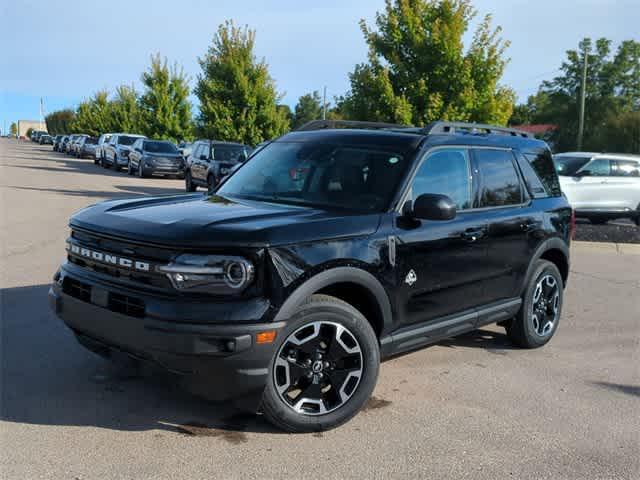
(309, 108)
(93, 116)
(164, 104)
(613, 90)
(125, 110)
(59, 122)
(418, 70)
(238, 97)
(13, 129)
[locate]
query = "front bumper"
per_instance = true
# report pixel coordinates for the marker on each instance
(163, 170)
(221, 361)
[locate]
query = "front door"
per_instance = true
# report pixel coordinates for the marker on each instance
(588, 189)
(441, 263)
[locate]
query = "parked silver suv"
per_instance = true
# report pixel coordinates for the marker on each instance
(601, 186)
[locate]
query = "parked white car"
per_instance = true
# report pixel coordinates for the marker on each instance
(601, 186)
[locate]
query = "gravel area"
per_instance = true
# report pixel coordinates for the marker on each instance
(617, 231)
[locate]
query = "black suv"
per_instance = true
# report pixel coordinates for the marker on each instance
(210, 161)
(329, 249)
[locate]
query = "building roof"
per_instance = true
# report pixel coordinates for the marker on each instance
(537, 128)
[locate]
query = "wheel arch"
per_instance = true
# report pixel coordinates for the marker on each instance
(554, 250)
(353, 285)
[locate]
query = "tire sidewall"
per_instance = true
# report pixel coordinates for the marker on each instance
(364, 334)
(543, 268)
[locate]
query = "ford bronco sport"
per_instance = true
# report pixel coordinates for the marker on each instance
(333, 247)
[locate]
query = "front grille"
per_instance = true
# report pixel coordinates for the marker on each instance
(116, 302)
(133, 307)
(77, 289)
(132, 278)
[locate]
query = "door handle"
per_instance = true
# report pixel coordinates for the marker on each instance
(472, 234)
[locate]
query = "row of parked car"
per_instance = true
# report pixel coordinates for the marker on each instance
(201, 163)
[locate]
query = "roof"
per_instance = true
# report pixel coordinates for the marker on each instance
(537, 128)
(621, 156)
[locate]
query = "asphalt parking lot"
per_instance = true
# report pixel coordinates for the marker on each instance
(470, 407)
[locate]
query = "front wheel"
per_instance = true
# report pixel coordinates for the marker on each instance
(325, 368)
(537, 320)
(188, 183)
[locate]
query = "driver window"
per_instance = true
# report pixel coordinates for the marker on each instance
(446, 172)
(597, 168)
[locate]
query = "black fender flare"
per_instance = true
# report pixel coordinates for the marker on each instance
(333, 276)
(554, 243)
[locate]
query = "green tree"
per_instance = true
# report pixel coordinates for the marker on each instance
(285, 110)
(418, 70)
(29, 132)
(59, 122)
(164, 104)
(125, 110)
(93, 116)
(13, 129)
(309, 108)
(613, 90)
(238, 97)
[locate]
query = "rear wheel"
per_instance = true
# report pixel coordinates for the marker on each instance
(537, 320)
(325, 367)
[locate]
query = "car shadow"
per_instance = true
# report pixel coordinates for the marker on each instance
(633, 390)
(483, 338)
(122, 191)
(47, 378)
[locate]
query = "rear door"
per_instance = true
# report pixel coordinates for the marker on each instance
(622, 187)
(510, 218)
(590, 190)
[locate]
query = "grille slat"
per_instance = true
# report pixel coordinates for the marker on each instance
(116, 302)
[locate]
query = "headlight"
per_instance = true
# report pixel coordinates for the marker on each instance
(216, 274)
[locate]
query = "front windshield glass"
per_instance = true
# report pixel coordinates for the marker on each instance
(226, 153)
(126, 140)
(568, 166)
(160, 147)
(355, 178)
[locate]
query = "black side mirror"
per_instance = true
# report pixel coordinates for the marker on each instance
(432, 206)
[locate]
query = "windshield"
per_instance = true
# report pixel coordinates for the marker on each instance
(91, 140)
(315, 174)
(568, 166)
(126, 140)
(226, 153)
(160, 147)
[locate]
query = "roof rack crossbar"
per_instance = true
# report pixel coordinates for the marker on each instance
(330, 124)
(451, 128)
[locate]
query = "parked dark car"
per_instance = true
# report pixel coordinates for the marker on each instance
(116, 151)
(45, 139)
(329, 250)
(87, 147)
(155, 157)
(210, 161)
(102, 142)
(57, 140)
(74, 146)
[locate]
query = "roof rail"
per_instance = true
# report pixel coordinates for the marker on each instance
(332, 124)
(451, 128)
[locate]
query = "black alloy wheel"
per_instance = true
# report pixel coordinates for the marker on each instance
(324, 369)
(539, 315)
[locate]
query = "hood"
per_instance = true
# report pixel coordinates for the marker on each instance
(200, 221)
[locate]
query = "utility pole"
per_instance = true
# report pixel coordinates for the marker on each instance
(324, 103)
(583, 92)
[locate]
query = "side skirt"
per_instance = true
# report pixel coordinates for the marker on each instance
(422, 334)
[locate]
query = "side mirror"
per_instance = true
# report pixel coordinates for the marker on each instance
(432, 206)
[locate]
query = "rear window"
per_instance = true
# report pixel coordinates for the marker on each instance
(543, 165)
(126, 140)
(499, 182)
(160, 147)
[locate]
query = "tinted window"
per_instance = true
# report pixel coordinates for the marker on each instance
(568, 166)
(446, 172)
(160, 147)
(91, 140)
(226, 153)
(126, 140)
(499, 182)
(543, 165)
(599, 167)
(626, 168)
(319, 174)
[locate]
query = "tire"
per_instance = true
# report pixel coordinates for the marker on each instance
(637, 221)
(322, 317)
(211, 183)
(527, 330)
(188, 183)
(129, 169)
(141, 173)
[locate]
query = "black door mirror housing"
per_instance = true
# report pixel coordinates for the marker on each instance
(433, 206)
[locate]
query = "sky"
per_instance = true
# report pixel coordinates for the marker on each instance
(64, 51)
